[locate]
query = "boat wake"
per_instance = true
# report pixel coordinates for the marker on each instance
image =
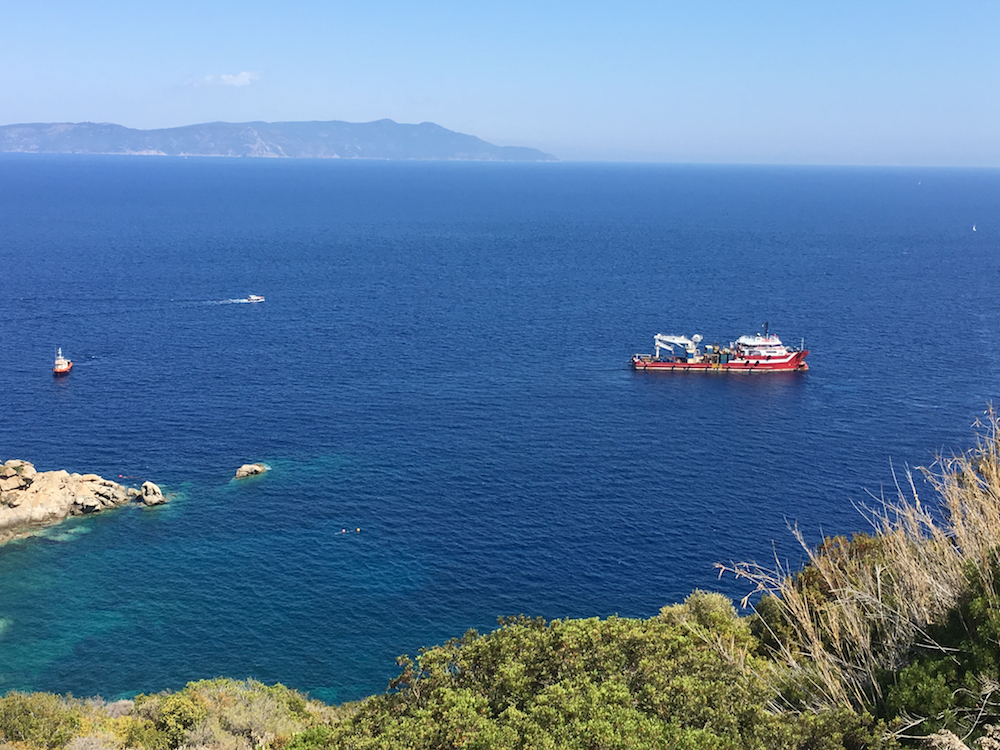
(242, 301)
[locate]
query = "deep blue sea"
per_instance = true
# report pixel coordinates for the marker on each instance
(442, 363)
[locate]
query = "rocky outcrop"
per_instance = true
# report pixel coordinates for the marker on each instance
(249, 470)
(151, 494)
(30, 499)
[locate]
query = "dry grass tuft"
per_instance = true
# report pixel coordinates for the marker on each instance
(860, 605)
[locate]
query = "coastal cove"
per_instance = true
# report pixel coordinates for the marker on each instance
(439, 382)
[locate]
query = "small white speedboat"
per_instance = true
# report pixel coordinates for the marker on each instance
(255, 298)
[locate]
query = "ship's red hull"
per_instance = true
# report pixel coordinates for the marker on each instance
(795, 363)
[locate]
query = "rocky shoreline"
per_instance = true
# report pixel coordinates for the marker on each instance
(31, 499)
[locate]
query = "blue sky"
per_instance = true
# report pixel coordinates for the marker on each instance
(719, 81)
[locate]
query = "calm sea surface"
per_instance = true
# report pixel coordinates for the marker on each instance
(442, 363)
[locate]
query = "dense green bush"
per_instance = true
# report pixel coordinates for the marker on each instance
(37, 719)
(134, 732)
(952, 680)
(683, 680)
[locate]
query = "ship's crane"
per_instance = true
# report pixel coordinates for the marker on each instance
(668, 341)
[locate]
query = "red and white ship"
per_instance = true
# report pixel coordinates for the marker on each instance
(62, 365)
(747, 354)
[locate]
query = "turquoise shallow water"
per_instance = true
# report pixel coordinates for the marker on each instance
(442, 362)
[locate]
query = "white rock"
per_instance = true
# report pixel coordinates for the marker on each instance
(15, 482)
(249, 470)
(151, 494)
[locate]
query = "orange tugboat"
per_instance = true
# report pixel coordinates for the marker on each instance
(62, 365)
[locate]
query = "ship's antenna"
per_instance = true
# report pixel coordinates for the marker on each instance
(765, 329)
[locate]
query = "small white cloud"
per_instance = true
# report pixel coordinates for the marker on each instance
(240, 79)
(244, 78)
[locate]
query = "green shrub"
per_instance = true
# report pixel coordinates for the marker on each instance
(312, 739)
(134, 732)
(37, 719)
(683, 680)
(951, 680)
(224, 714)
(179, 712)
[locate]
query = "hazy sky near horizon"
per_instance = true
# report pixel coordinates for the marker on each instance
(721, 81)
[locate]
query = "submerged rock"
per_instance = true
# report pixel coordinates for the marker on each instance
(249, 470)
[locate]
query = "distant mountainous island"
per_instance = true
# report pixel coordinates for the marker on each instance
(382, 139)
